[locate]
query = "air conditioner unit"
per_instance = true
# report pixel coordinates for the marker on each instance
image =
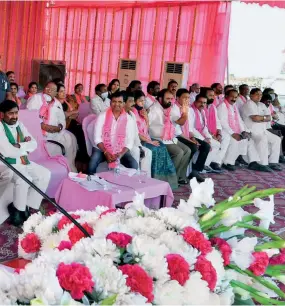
(176, 71)
(127, 72)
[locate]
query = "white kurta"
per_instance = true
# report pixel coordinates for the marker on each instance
(149, 102)
(67, 139)
(192, 97)
(99, 124)
(243, 147)
(36, 101)
(240, 103)
(216, 154)
(23, 194)
(98, 106)
(156, 122)
(145, 163)
(266, 143)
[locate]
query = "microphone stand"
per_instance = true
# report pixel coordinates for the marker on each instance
(45, 196)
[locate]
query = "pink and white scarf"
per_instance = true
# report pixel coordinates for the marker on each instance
(142, 125)
(169, 129)
(45, 111)
(120, 133)
(242, 98)
(233, 119)
(218, 100)
(211, 116)
(198, 124)
(185, 127)
(80, 99)
(152, 98)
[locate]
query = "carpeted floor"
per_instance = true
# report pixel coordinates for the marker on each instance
(225, 185)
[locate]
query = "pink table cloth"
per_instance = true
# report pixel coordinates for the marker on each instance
(71, 196)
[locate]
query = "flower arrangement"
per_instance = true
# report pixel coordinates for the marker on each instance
(195, 254)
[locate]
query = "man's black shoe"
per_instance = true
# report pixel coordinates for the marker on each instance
(257, 167)
(196, 174)
(275, 167)
(229, 167)
(16, 216)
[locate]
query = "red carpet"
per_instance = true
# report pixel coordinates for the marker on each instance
(225, 185)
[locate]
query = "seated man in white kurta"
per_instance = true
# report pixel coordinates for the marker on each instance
(255, 116)
(100, 103)
(113, 137)
(240, 141)
(15, 145)
(53, 128)
(198, 124)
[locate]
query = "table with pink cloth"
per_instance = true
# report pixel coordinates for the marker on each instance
(71, 196)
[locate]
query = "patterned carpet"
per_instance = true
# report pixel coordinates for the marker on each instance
(225, 185)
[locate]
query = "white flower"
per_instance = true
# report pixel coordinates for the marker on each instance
(202, 193)
(169, 293)
(217, 261)
(242, 251)
(227, 297)
(232, 215)
(196, 291)
(131, 299)
(266, 211)
(271, 252)
(137, 207)
(176, 219)
(68, 300)
(32, 222)
(186, 207)
(177, 245)
(234, 231)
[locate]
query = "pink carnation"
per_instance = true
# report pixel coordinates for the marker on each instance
(75, 233)
(64, 221)
(138, 280)
(260, 263)
(31, 243)
(75, 278)
(278, 259)
(121, 240)
(224, 248)
(197, 240)
(106, 212)
(208, 272)
(64, 245)
(178, 268)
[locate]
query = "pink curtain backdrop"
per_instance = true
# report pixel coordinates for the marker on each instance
(280, 4)
(21, 35)
(91, 39)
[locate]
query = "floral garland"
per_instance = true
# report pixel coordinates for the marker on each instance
(195, 254)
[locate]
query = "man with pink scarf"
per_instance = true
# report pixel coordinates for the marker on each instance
(240, 140)
(162, 121)
(113, 137)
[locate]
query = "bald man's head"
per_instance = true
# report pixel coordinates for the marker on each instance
(51, 89)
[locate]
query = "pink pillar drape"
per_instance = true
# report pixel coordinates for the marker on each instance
(21, 35)
(91, 39)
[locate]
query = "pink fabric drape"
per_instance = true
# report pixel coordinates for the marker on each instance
(21, 35)
(91, 39)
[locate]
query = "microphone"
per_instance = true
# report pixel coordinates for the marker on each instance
(45, 196)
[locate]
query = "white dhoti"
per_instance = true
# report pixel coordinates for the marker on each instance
(6, 176)
(145, 163)
(218, 150)
(68, 140)
(23, 194)
(267, 146)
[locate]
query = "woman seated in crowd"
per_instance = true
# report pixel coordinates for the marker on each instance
(14, 90)
(78, 94)
(162, 167)
(70, 108)
(32, 90)
(113, 86)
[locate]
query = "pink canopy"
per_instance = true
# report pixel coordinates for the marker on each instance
(280, 4)
(92, 36)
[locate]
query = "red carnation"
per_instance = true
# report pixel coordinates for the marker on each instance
(31, 243)
(260, 263)
(178, 268)
(138, 280)
(64, 220)
(64, 245)
(75, 278)
(121, 240)
(224, 248)
(107, 212)
(75, 233)
(278, 259)
(208, 272)
(197, 240)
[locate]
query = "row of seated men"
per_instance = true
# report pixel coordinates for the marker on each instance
(162, 137)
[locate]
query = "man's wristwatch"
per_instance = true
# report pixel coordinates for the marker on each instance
(60, 127)
(264, 118)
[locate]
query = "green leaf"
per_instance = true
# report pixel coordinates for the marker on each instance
(239, 301)
(140, 213)
(110, 300)
(271, 245)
